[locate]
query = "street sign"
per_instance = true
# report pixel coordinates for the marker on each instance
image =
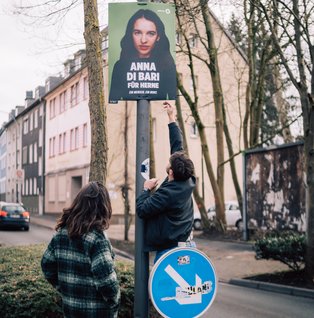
(183, 283)
(19, 175)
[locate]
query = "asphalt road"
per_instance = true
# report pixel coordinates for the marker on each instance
(35, 235)
(240, 302)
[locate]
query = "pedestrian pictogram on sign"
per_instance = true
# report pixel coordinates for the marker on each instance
(183, 283)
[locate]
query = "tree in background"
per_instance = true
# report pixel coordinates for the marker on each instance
(96, 103)
(267, 109)
(196, 18)
(290, 25)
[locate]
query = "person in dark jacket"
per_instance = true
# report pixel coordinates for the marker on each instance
(79, 260)
(169, 210)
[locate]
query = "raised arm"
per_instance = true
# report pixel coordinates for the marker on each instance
(175, 134)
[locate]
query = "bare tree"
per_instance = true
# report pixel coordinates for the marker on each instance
(291, 33)
(196, 16)
(96, 103)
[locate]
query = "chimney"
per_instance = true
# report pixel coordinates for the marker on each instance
(39, 92)
(29, 98)
(52, 82)
(19, 109)
(79, 59)
(68, 67)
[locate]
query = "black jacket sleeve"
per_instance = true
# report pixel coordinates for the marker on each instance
(175, 137)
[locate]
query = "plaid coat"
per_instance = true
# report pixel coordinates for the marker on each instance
(82, 270)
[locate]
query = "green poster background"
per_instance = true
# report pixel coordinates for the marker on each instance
(119, 15)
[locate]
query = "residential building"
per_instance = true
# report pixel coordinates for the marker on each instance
(33, 151)
(67, 139)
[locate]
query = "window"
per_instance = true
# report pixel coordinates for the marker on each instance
(85, 88)
(178, 38)
(35, 152)
(60, 144)
(25, 126)
(193, 130)
(62, 188)
(31, 122)
(64, 142)
(76, 138)
(84, 135)
(30, 186)
(18, 157)
(24, 159)
(72, 139)
(36, 118)
(40, 138)
(193, 40)
(51, 189)
(26, 187)
(52, 147)
(40, 166)
(74, 94)
(35, 186)
(62, 101)
(30, 153)
(52, 108)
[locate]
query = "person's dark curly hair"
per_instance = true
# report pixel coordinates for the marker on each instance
(90, 210)
(182, 166)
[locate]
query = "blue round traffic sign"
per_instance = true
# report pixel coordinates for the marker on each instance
(183, 283)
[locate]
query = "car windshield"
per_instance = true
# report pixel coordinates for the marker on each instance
(13, 208)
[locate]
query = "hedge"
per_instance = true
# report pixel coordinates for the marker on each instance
(287, 247)
(24, 292)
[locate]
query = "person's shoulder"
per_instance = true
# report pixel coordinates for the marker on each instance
(94, 236)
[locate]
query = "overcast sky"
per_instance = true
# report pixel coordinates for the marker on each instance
(30, 52)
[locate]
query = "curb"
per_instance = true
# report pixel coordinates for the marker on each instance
(276, 288)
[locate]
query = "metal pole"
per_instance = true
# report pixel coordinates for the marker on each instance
(141, 307)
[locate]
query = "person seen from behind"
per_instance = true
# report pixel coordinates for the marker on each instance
(168, 211)
(79, 260)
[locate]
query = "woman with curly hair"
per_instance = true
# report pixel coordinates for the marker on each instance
(79, 260)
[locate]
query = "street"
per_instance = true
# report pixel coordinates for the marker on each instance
(231, 301)
(240, 302)
(35, 235)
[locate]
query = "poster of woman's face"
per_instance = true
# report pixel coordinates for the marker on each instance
(141, 52)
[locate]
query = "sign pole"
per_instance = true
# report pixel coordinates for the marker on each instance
(141, 307)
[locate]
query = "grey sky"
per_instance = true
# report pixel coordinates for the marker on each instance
(30, 52)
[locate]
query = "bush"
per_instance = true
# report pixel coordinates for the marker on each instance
(24, 292)
(286, 247)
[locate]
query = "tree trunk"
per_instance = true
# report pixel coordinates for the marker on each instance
(217, 93)
(197, 197)
(99, 145)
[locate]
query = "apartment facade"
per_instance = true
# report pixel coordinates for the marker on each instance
(67, 153)
(33, 152)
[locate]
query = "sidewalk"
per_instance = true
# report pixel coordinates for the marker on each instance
(232, 260)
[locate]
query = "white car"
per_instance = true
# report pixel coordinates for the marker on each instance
(233, 216)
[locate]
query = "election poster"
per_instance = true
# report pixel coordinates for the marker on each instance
(141, 52)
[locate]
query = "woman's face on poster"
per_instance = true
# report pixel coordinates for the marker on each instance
(144, 36)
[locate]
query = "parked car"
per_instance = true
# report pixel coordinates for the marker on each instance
(233, 216)
(13, 215)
